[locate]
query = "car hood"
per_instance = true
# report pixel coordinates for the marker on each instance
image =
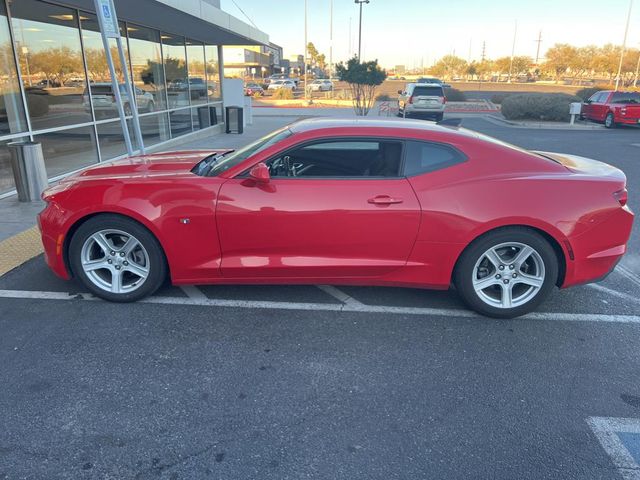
(165, 163)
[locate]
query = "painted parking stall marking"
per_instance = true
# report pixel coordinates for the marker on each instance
(358, 307)
(620, 438)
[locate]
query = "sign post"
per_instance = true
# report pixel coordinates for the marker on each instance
(109, 28)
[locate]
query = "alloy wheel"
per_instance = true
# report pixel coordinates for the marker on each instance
(508, 275)
(115, 261)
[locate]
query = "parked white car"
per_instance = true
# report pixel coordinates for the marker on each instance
(321, 85)
(278, 84)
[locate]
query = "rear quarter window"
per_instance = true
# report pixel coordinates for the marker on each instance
(425, 157)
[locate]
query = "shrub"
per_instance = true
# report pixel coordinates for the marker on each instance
(455, 95)
(38, 105)
(498, 98)
(283, 94)
(585, 93)
(383, 97)
(538, 106)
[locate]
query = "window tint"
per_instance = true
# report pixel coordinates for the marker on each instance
(352, 158)
(428, 91)
(423, 157)
(626, 97)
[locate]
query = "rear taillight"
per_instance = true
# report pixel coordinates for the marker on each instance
(444, 99)
(410, 100)
(621, 196)
(623, 111)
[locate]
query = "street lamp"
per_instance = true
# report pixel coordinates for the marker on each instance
(360, 2)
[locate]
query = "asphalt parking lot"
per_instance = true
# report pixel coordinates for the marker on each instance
(281, 382)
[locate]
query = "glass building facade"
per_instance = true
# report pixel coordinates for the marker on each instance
(55, 85)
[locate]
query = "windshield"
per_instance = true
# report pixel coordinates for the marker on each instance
(215, 165)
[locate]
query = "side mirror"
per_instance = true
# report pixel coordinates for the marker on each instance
(588, 101)
(260, 173)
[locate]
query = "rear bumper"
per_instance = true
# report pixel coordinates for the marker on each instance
(598, 251)
(627, 120)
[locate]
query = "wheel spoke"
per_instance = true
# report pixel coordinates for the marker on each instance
(507, 295)
(136, 269)
(485, 282)
(493, 257)
(102, 241)
(92, 265)
(116, 281)
(129, 246)
(524, 253)
(530, 280)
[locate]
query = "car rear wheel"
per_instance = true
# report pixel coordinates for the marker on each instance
(506, 273)
(117, 259)
(609, 121)
(439, 117)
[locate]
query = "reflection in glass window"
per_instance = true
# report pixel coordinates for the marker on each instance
(200, 117)
(6, 173)
(48, 45)
(146, 63)
(104, 104)
(12, 117)
(175, 67)
(155, 128)
(213, 73)
(197, 80)
(68, 150)
(180, 122)
(111, 139)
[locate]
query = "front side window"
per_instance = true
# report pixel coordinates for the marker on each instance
(348, 158)
(424, 157)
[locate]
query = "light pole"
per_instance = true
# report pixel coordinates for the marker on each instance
(360, 2)
(624, 45)
(635, 82)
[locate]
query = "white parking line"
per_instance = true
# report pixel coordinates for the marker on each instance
(615, 293)
(606, 430)
(360, 308)
(193, 292)
(339, 295)
(628, 274)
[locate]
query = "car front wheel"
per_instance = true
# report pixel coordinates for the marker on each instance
(506, 273)
(117, 259)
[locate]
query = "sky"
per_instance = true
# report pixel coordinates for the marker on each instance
(415, 33)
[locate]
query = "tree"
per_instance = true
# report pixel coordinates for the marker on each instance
(363, 78)
(559, 58)
(317, 58)
(449, 66)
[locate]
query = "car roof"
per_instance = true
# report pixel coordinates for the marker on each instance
(310, 124)
(426, 84)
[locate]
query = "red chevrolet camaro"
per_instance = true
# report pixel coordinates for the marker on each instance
(351, 202)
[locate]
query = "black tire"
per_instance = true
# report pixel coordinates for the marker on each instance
(465, 270)
(439, 117)
(157, 265)
(609, 121)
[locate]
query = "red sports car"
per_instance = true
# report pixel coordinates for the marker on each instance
(352, 202)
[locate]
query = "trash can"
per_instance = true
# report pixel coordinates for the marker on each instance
(204, 120)
(29, 173)
(234, 119)
(213, 115)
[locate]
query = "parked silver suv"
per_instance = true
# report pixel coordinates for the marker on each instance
(427, 99)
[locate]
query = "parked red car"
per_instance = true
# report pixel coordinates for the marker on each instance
(357, 202)
(613, 108)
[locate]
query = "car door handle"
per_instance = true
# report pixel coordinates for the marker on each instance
(384, 200)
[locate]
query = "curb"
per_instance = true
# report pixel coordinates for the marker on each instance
(503, 121)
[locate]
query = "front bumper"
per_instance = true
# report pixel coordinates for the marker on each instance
(53, 239)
